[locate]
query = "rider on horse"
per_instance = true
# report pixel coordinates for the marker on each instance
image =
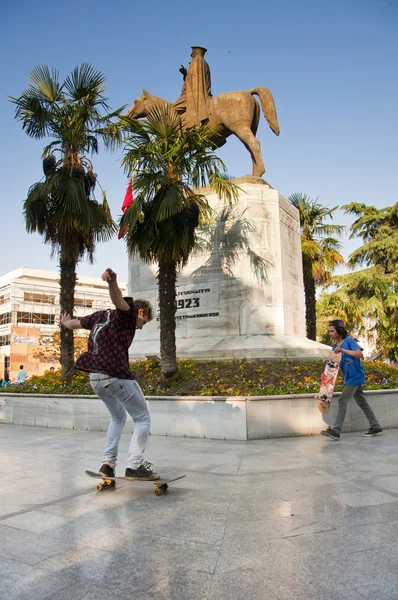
(196, 91)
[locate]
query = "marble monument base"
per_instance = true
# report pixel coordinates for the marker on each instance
(242, 294)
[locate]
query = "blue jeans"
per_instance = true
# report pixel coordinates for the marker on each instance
(122, 396)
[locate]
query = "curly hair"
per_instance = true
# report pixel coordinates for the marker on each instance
(140, 303)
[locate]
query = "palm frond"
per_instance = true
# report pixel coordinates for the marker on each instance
(86, 83)
(45, 86)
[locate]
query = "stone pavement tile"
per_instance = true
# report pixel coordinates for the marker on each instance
(29, 547)
(239, 585)
(24, 582)
(104, 568)
(389, 483)
(26, 498)
(262, 558)
(299, 576)
(246, 533)
(203, 481)
(319, 507)
(139, 569)
(364, 498)
(319, 479)
(133, 573)
(195, 528)
(7, 510)
(35, 521)
(182, 502)
(75, 507)
(268, 474)
(200, 528)
(89, 591)
(384, 591)
(343, 593)
(181, 585)
(327, 490)
(376, 566)
(185, 554)
(343, 541)
(111, 539)
(349, 516)
(274, 487)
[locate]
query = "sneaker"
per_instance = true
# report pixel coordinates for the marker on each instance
(326, 431)
(374, 430)
(332, 434)
(144, 473)
(107, 470)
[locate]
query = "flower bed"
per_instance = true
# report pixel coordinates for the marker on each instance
(217, 378)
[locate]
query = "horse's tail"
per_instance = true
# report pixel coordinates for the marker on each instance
(268, 106)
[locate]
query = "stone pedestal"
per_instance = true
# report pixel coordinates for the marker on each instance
(250, 304)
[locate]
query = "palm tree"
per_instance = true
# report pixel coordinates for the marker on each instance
(226, 240)
(168, 163)
(320, 251)
(62, 207)
(338, 305)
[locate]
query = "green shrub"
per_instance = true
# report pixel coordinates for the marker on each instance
(217, 378)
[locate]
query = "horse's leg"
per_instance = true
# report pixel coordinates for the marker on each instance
(239, 114)
(245, 134)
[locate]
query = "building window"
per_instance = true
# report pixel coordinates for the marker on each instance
(5, 298)
(5, 340)
(5, 318)
(35, 318)
(38, 298)
(84, 302)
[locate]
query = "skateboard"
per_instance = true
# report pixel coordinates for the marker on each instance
(328, 381)
(161, 485)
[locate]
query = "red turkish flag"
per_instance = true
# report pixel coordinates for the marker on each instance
(128, 201)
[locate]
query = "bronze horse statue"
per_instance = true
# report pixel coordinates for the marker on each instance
(230, 113)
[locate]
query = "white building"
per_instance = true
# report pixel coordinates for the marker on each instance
(29, 308)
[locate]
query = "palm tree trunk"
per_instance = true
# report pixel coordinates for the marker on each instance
(310, 306)
(67, 304)
(167, 277)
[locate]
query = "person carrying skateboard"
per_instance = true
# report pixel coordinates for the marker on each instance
(107, 361)
(354, 379)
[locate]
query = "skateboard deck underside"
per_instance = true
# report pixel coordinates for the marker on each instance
(328, 382)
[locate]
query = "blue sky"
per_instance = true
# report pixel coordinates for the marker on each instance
(331, 66)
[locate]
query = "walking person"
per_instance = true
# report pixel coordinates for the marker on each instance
(354, 379)
(107, 361)
(22, 375)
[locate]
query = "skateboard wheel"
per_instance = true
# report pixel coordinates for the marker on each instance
(113, 483)
(165, 487)
(100, 486)
(158, 491)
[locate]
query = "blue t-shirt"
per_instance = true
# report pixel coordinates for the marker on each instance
(353, 371)
(21, 376)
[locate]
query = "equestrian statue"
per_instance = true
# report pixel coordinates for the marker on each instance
(230, 113)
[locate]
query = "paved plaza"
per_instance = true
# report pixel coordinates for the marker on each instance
(299, 518)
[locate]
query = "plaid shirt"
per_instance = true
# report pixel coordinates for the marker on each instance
(112, 332)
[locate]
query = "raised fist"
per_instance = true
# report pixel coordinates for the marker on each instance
(108, 275)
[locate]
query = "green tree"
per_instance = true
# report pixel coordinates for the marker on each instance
(62, 207)
(377, 284)
(320, 251)
(168, 164)
(338, 305)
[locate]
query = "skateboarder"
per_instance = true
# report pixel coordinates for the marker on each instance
(354, 379)
(107, 361)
